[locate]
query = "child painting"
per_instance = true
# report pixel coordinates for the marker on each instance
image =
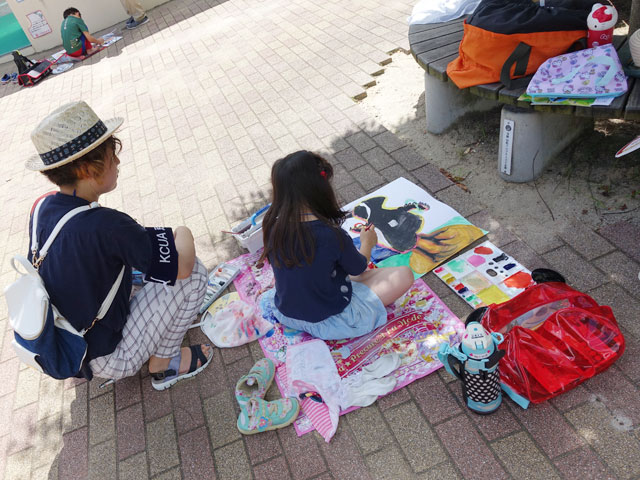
(322, 284)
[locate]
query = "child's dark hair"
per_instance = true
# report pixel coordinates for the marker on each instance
(70, 11)
(300, 182)
(91, 163)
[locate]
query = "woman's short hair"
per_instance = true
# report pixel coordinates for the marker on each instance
(91, 164)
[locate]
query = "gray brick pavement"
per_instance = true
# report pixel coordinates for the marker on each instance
(213, 92)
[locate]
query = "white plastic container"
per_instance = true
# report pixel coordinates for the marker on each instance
(250, 231)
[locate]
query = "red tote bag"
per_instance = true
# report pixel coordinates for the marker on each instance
(555, 338)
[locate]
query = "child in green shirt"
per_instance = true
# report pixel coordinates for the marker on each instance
(76, 39)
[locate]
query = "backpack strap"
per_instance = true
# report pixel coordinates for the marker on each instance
(106, 304)
(37, 259)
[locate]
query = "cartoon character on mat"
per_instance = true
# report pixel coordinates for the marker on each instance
(405, 347)
(401, 229)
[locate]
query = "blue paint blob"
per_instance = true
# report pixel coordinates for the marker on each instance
(509, 266)
(464, 290)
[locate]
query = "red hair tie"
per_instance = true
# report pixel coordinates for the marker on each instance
(323, 173)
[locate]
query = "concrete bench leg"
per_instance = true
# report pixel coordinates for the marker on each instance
(528, 134)
(445, 103)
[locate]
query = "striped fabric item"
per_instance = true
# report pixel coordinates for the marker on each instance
(317, 413)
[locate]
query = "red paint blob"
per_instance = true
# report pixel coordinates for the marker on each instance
(481, 250)
(459, 287)
(518, 280)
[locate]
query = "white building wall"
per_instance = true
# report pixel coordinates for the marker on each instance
(97, 14)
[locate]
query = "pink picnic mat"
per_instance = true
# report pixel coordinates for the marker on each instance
(417, 324)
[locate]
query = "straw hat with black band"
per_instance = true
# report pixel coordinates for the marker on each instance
(68, 133)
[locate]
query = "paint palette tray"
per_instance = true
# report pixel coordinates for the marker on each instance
(219, 279)
(485, 275)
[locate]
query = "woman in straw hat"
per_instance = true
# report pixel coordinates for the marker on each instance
(79, 153)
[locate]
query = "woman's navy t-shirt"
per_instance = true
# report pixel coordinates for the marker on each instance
(315, 292)
(86, 257)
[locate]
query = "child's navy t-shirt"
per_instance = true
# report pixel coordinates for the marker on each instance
(315, 292)
(86, 257)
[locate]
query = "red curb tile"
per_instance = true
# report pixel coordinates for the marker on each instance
(434, 399)
(302, 454)
(583, 464)
(433, 180)
(619, 395)
(499, 424)
(468, 450)
(128, 392)
(555, 441)
(130, 431)
(195, 452)
(156, 404)
(275, 469)
(393, 399)
(187, 406)
(625, 236)
(568, 400)
(74, 457)
(629, 363)
(343, 457)
(262, 447)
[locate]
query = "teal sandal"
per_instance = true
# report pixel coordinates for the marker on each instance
(258, 415)
(255, 383)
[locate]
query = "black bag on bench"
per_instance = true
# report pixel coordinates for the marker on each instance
(507, 39)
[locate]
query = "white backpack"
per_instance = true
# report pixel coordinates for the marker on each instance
(44, 339)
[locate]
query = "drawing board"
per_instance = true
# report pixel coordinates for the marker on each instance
(413, 227)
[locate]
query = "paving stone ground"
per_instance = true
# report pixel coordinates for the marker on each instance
(213, 92)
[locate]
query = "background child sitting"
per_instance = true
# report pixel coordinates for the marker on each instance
(76, 39)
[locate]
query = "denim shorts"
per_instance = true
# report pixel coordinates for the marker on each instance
(364, 314)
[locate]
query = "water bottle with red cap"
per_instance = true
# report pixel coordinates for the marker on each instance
(601, 21)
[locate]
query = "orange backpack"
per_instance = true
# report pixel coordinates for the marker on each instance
(507, 39)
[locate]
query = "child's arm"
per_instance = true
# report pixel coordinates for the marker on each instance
(368, 240)
(93, 39)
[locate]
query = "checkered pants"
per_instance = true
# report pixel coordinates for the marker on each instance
(158, 321)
